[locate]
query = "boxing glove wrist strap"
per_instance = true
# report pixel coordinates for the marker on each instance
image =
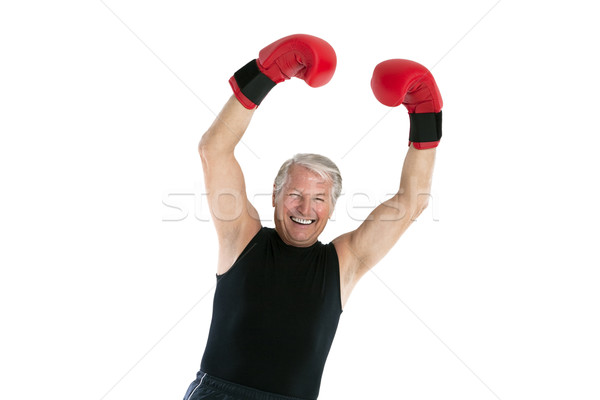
(425, 127)
(252, 83)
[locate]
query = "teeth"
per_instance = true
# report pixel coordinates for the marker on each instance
(302, 221)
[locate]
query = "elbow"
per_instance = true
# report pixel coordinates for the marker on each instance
(206, 147)
(412, 206)
(202, 150)
(210, 147)
(420, 205)
(203, 144)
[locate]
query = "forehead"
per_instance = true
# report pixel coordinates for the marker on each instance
(300, 177)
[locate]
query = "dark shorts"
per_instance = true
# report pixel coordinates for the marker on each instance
(207, 387)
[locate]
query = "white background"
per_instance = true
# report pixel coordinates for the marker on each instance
(106, 290)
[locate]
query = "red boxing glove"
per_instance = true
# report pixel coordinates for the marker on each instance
(406, 82)
(303, 56)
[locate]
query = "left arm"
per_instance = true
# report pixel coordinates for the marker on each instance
(359, 250)
(409, 83)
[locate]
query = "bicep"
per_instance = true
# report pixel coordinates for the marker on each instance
(377, 234)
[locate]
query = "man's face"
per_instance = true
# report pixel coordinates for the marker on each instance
(303, 207)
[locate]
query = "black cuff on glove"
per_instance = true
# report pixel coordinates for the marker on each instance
(252, 83)
(425, 127)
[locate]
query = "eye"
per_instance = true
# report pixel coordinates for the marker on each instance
(320, 199)
(294, 195)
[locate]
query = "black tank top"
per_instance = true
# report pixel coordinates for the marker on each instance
(275, 314)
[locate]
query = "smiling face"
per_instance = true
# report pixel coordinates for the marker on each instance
(303, 207)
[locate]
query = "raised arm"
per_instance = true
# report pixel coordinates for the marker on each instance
(397, 82)
(235, 219)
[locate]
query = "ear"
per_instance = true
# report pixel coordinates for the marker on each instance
(273, 196)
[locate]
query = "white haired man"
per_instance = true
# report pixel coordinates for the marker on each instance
(280, 292)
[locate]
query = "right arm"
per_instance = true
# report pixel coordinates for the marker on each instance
(236, 220)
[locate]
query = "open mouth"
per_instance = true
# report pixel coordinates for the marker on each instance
(302, 221)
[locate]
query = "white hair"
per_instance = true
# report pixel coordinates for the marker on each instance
(316, 163)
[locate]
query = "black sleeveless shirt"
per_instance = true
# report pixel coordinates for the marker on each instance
(275, 314)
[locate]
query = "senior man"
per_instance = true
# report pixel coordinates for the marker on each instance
(280, 291)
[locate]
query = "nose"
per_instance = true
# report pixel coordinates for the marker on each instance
(304, 206)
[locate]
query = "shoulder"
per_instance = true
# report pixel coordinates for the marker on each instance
(349, 265)
(343, 248)
(231, 250)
